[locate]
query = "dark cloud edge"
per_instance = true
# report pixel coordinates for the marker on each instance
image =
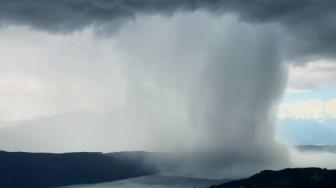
(311, 22)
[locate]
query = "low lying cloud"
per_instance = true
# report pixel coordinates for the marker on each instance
(313, 159)
(309, 109)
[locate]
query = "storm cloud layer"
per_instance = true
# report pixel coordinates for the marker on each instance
(204, 77)
(310, 21)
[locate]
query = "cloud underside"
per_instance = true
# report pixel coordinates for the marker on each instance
(309, 22)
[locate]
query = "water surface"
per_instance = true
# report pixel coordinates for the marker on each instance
(155, 181)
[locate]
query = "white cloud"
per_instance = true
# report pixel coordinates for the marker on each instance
(309, 109)
(310, 82)
(311, 75)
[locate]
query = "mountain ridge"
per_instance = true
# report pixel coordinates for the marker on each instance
(287, 178)
(44, 170)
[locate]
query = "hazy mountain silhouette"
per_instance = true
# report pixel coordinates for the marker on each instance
(317, 148)
(76, 131)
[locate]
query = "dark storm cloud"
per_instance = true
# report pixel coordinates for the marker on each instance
(70, 15)
(311, 22)
(75, 14)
